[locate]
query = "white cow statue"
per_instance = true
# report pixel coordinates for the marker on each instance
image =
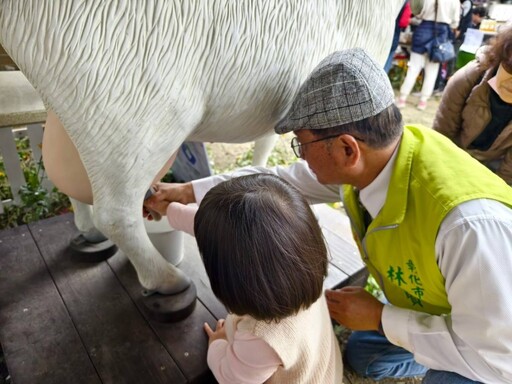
(126, 82)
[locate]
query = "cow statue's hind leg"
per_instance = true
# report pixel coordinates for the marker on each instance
(172, 292)
(90, 245)
(84, 222)
(262, 149)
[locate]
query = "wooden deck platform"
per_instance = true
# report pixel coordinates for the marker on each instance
(65, 321)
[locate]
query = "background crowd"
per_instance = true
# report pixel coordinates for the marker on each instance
(475, 111)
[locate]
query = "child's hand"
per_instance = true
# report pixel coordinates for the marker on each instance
(154, 209)
(150, 215)
(219, 333)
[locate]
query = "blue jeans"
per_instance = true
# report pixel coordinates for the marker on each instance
(371, 355)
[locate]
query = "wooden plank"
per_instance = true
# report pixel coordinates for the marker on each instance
(334, 277)
(121, 345)
(338, 235)
(193, 266)
(334, 219)
(40, 342)
(185, 340)
(343, 253)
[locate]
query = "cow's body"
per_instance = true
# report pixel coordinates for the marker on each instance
(131, 80)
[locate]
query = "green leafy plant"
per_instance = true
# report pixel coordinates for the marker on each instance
(36, 202)
(397, 75)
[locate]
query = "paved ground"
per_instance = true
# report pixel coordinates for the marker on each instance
(412, 115)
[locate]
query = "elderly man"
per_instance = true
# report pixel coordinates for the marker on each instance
(434, 228)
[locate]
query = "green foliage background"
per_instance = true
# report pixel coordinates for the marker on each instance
(37, 202)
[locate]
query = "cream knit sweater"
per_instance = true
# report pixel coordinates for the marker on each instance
(305, 343)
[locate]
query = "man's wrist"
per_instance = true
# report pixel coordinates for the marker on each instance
(189, 194)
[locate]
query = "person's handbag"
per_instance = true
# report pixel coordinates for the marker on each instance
(440, 51)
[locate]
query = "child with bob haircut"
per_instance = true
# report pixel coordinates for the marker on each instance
(266, 260)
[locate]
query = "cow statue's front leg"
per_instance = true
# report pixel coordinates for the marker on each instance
(170, 294)
(93, 246)
(117, 190)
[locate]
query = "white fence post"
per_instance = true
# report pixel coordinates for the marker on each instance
(20, 106)
(35, 137)
(13, 163)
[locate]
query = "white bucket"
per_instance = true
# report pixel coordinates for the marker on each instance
(166, 240)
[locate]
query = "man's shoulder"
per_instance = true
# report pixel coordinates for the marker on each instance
(480, 210)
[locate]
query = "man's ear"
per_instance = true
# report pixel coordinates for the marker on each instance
(351, 150)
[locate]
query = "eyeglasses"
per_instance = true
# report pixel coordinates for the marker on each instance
(297, 147)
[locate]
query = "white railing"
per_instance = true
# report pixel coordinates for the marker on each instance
(21, 113)
(13, 163)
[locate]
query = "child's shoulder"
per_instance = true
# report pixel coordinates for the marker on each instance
(244, 323)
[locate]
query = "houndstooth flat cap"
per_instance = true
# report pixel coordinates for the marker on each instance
(346, 86)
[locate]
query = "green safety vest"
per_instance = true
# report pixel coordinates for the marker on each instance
(430, 177)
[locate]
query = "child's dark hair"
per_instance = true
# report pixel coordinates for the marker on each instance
(262, 247)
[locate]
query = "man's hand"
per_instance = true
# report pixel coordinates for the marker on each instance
(355, 308)
(166, 193)
(219, 333)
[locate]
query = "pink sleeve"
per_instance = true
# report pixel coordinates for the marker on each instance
(181, 217)
(248, 360)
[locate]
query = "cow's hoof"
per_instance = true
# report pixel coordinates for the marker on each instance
(84, 250)
(170, 308)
